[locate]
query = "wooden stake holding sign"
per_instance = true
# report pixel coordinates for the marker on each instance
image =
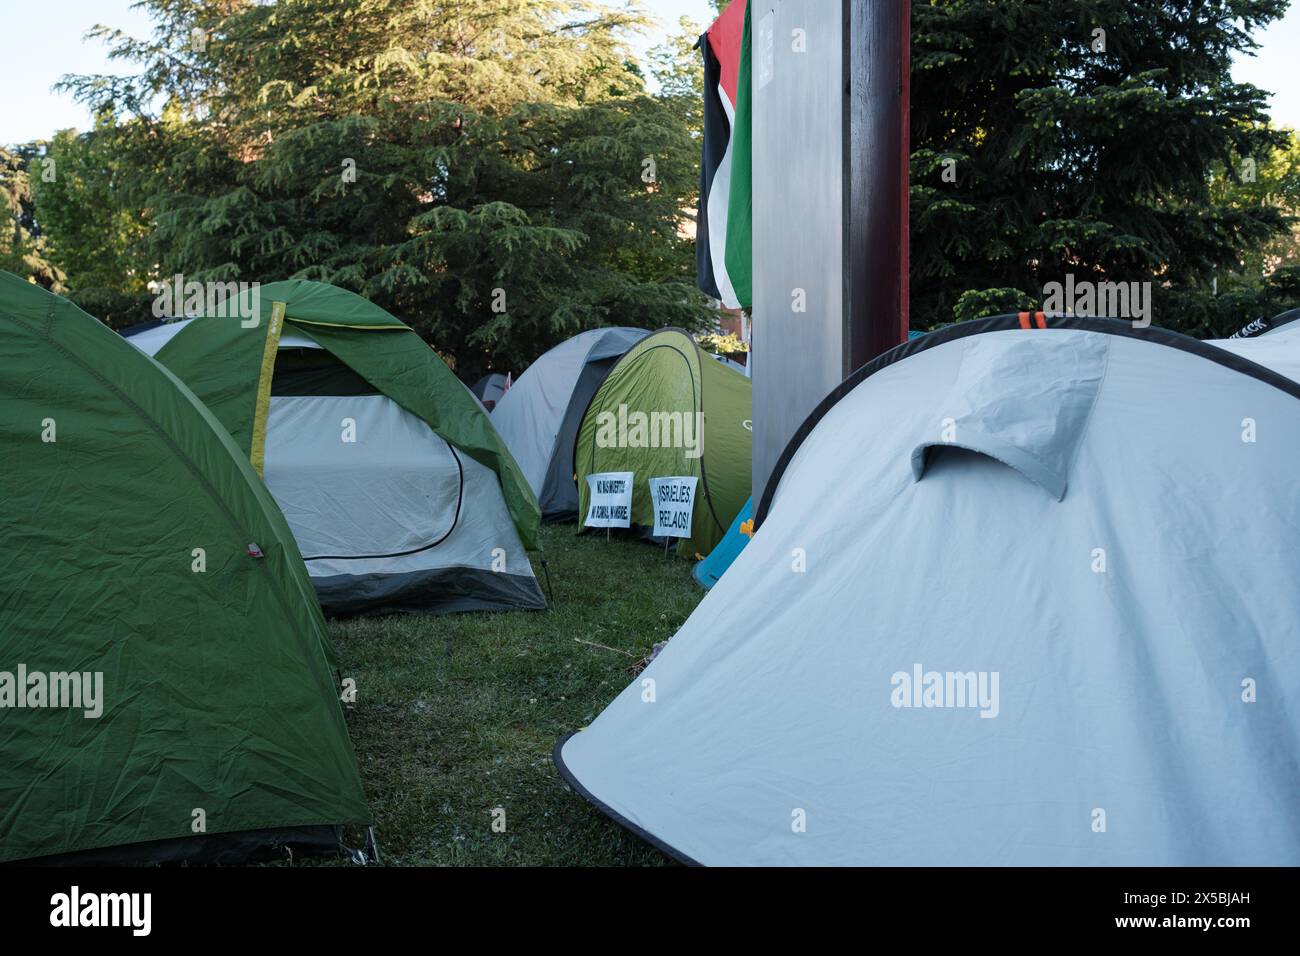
(673, 500)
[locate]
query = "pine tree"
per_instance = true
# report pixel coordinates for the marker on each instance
(491, 171)
(1080, 136)
(23, 246)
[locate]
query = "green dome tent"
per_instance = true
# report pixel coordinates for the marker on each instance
(163, 660)
(667, 410)
(400, 492)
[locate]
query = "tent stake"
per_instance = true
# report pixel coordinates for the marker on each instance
(547, 571)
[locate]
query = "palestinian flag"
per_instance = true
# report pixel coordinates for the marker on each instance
(723, 233)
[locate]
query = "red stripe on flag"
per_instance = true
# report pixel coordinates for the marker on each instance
(725, 37)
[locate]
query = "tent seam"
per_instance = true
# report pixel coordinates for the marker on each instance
(1087, 423)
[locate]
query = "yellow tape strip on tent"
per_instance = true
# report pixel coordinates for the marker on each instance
(258, 452)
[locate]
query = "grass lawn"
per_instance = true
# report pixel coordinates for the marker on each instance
(457, 715)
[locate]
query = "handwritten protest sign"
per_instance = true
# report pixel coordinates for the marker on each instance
(674, 504)
(611, 500)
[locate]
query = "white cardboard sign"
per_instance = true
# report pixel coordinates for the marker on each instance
(674, 504)
(610, 504)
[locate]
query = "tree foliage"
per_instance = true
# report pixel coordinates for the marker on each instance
(95, 238)
(677, 66)
(1271, 269)
(491, 171)
(24, 249)
(1082, 135)
(496, 173)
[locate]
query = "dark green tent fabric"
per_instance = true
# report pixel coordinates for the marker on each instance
(323, 304)
(222, 362)
(221, 366)
(218, 687)
(666, 373)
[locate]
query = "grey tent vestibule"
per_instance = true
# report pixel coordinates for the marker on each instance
(540, 414)
(1022, 592)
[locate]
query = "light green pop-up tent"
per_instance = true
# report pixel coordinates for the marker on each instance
(668, 410)
(399, 490)
(166, 685)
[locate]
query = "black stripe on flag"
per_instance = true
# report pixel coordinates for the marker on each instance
(717, 133)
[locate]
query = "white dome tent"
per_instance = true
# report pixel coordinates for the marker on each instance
(540, 414)
(1276, 346)
(1018, 596)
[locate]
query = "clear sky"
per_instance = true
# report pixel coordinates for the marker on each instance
(47, 43)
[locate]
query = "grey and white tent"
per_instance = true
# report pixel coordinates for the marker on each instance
(1278, 348)
(1018, 596)
(394, 517)
(540, 414)
(490, 389)
(1265, 326)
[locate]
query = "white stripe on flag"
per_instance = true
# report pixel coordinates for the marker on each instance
(719, 197)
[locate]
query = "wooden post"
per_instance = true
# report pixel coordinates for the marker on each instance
(877, 54)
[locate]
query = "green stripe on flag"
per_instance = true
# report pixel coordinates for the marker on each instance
(740, 201)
